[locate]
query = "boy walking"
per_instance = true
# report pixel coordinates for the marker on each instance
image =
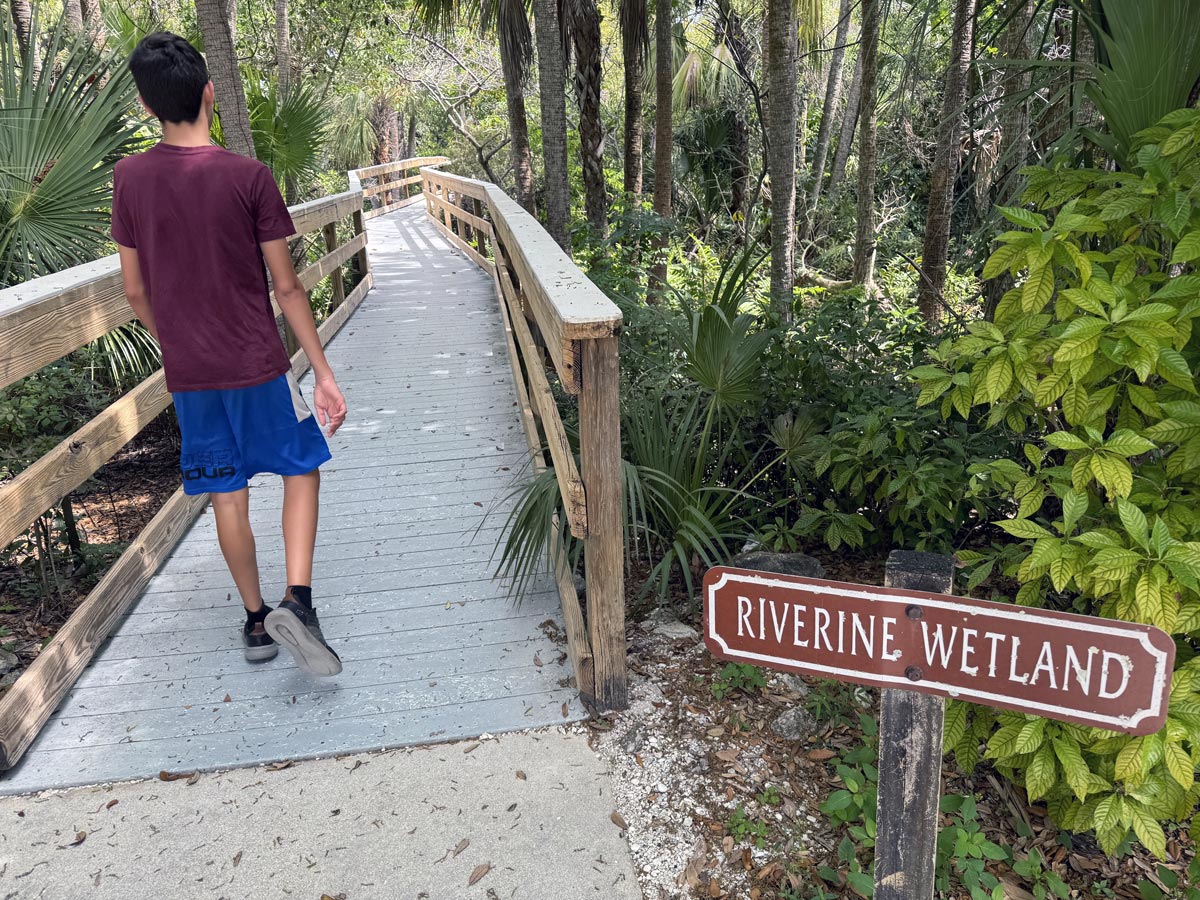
(195, 224)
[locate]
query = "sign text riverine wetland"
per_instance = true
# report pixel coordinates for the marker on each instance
(1100, 672)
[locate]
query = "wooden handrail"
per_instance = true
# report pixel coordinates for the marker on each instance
(42, 321)
(391, 187)
(538, 285)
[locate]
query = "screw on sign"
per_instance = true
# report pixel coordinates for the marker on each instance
(920, 644)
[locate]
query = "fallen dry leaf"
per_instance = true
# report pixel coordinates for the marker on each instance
(537, 659)
(227, 699)
(111, 804)
(174, 776)
(277, 766)
(193, 778)
(821, 753)
(472, 747)
(619, 820)
(237, 859)
(462, 845)
(716, 731)
(80, 837)
(564, 709)
(728, 755)
(520, 775)
(714, 888)
(478, 872)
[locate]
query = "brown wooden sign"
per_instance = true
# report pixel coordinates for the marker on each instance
(1092, 671)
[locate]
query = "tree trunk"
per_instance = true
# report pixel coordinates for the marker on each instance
(410, 143)
(849, 122)
(833, 92)
(73, 16)
(384, 134)
(945, 166)
(283, 75)
(393, 128)
(1015, 145)
(635, 44)
(585, 35)
(93, 20)
(518, 127)
(864, 232)
(733, 35)
(664, 71)
(22, 15)
(213, 17)
(781, 152)
(551, 75)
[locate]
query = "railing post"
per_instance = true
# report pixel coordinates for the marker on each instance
(363, 262)
(480, 237)
(604, 552)
(335, 277)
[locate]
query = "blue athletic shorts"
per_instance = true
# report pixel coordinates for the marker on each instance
(229, 436)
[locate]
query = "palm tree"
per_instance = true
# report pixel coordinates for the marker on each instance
(635, 46)
(213, 17)
(664, 65)
(583, 24)
(22, 19)
(945, 165)
(833, 90)
(782, 50)
(73, 16)
(864, 232)
(509, 21)
(550, 54)
(93, 20)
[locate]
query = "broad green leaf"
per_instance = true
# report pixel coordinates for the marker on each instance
(1180, 765)
(1041, 773)
(1023, 528)
(1149, 832)
(1134, 521)
(1127, 443)
(1023, 217)
(1187, 249)
(1002, 260)
(1038, 289)
(1065, 440)
(1074, 506)
(1174, 369)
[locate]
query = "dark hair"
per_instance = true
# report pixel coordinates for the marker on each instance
(171, 75)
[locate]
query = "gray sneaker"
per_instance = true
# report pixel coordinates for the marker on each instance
(295, 627)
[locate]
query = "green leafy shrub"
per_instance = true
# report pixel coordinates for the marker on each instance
(1093, 356)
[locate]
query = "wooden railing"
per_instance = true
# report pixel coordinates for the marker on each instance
(550, 308)
(389, 187)
(47, 318)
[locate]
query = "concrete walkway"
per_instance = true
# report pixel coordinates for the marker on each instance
(530, 811)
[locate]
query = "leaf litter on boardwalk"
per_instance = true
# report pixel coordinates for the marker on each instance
(478, 872)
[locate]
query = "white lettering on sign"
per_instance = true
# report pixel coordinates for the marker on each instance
(1062, 666)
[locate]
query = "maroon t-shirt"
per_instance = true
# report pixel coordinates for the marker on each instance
(196, 216)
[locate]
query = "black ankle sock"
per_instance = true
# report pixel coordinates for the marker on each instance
(302, 593)
(258, 615)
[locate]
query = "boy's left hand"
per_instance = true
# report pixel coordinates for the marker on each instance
(330, 404)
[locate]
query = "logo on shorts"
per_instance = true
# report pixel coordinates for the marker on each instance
(207, 464)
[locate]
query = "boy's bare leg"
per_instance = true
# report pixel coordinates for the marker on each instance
(301, 499)
(232, 511)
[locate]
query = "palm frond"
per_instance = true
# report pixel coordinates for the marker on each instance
(61, 133)
(288, 137)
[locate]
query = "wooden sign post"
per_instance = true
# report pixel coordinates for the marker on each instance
(920, 644)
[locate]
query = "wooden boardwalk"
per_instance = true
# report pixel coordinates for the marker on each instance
(412, 505)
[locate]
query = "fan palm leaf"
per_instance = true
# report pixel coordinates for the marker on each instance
(61, 132)
(288, 136)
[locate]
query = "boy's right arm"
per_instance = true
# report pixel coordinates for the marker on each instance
(135, 288)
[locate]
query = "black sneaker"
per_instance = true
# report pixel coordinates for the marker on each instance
(259, 645)
(295, 626)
